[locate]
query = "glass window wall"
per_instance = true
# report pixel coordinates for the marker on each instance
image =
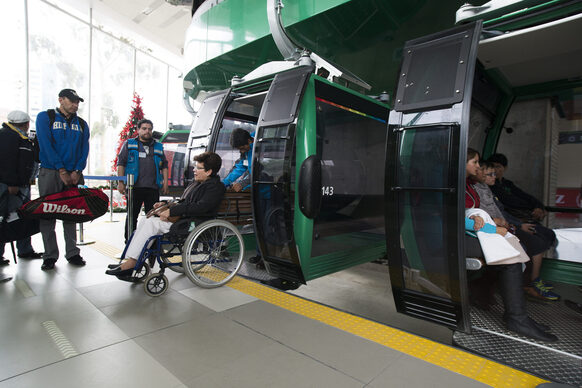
(59, 57)
(111, 97)
(13, 73)
(151, 83)
(96, 58)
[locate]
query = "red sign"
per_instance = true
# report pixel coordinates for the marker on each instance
(568, 197)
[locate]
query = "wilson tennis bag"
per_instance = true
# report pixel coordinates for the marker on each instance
(77, 205)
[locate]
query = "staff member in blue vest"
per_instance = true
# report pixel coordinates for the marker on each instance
(144, 158)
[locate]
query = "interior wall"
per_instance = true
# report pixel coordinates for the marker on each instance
(569, 155)
(569, 165)
(478, 125)
(525, 147)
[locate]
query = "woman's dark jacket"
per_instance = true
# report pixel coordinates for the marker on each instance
(200, 201)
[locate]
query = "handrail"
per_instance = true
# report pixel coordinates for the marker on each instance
(558, 209)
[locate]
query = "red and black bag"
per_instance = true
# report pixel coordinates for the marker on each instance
(77, 205)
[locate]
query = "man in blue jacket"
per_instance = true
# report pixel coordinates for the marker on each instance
(144, 158)
(243, 141)
(63, 138)
(239, 177)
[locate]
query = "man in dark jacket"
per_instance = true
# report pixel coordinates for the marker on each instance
(516, 201)
(530, 210)
(18, 155)
(199, 203)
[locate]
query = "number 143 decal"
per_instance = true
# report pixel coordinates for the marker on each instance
(327, 190)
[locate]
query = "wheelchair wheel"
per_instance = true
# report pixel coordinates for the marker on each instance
(142, 273)
(174, 259)
(156, 284)
(213, 253)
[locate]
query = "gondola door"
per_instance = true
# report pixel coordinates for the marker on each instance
(273, 174)
(207, 118)
(425, 175)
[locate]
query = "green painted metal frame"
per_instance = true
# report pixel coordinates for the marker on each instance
(305, 146)
(562, 271)
(364, 36)
(525, 13)
(540, 13)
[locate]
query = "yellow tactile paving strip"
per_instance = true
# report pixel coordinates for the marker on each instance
(106, 249)
(455, 360)
(466, 364)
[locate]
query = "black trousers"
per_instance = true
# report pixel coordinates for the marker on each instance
(145, 196)
(510, 286)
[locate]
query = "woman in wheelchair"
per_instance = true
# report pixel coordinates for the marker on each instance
(199, 203)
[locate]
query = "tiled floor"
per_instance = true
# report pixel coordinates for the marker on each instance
(77, 327)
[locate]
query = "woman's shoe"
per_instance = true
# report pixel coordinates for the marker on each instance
(540, 326)
(528, 328)
(119, 272)
(111, 266)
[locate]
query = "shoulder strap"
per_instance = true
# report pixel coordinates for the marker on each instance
(52, 117)
(83, 123)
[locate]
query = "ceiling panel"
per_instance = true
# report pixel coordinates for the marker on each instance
(166, 21)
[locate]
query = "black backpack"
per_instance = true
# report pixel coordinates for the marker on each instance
(53, 115)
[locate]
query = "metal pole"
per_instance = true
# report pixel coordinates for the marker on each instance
(130, 209)
(82, 237)
(111, 201)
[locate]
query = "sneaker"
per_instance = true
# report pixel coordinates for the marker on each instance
(30, 255)
(4, 261)
(545, 293)
(546, 285)
(76, 261)
(48, 264)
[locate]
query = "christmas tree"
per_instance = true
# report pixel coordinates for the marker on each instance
(130, 129)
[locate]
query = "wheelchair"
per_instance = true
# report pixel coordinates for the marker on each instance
(211, 255)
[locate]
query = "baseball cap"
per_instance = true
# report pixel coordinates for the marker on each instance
(18, 117)
(70, 94)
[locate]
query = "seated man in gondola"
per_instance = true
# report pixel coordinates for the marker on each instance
(199, 203)
(530, 211)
